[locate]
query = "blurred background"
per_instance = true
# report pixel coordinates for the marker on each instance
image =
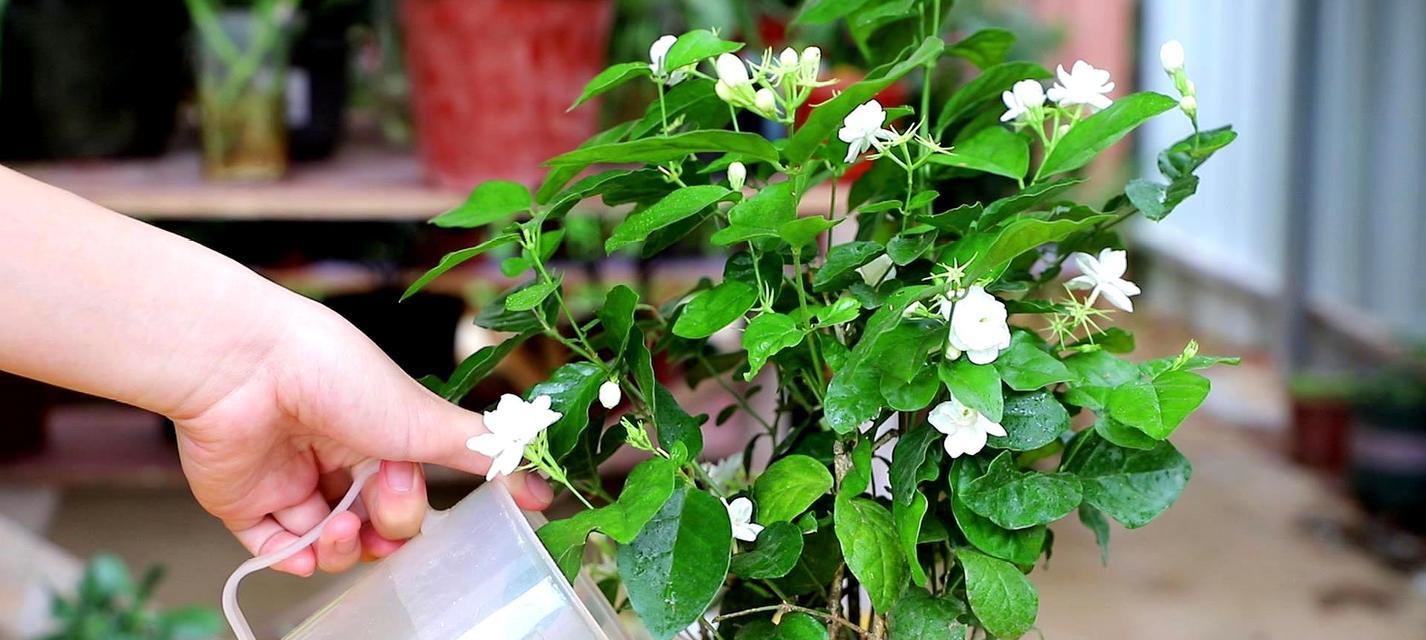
(313, 145)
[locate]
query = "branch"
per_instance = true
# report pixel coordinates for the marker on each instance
(785, 608)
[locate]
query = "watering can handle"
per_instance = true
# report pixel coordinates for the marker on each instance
(360, 474)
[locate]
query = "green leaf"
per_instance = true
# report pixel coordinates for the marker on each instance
(695, 46)
(1158, 406)
(1123, 434)
(789, 486)
(610, 78)
(1093, 520)
(1156, 201)
(920, 616)
(477, 366)
(1002, 598)
(556, 178)
(904, 249)
(993, 149)
(1099, 368)
(759, 216)
(1016, 499)
(455, 258)
(1026, 367)
(824, 11)
(984, 48)
(1133, 486)
(766, 335)
(827, 118)
(531, 296)
(913, 461)
(901, 352)
(985, 87)
(189, 623)
(672, 208)
(912, 395)
(713, 309)
(617, 316)
(676, 565)
(854, 394)
(843, 260)
(1098, 132)
(1014, 239)
(1028, 198)
(694, 101)
(778, 548)
(871, 548)
(802, 231)
(1185, 156)
(675, 426)
(1019, 546)
(843, 310)
(1113, 340)
(793, 626)
(976, 386)
(571, 388)
(647, 489)
(662, 149)
(908, 519)
(1031, 421)
(492, 201)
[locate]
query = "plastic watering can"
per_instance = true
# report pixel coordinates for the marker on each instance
(476, 572)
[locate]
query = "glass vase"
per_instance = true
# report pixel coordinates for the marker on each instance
(240, 95)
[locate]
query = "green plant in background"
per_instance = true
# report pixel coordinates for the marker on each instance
(883, 334)
(109, 605)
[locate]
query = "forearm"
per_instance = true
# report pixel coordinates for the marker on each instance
(95, 301)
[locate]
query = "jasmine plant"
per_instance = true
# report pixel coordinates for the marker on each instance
(894, 332)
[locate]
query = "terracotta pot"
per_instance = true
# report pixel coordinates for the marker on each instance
(1320, 431)
(491, 79)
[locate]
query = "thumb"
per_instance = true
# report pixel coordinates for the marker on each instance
(437, 433)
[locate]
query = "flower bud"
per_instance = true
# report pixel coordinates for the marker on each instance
(788, 58)
(737, 176)
(812, 59)
(609, 394)
(1189, 104)
(1171, 56)
(658, 51)
(732, 71)
(765, 102)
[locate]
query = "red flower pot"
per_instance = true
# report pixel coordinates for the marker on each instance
(491, 79)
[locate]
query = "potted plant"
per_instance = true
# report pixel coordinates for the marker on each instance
(1387, 464)
(242, 65)
(1321, 415)
(108, 603)
(491, 79)
(927, 341)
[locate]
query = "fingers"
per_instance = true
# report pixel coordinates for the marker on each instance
(268, 536)
(375, 547)
(339, 548)
(530, 491)
(396, 500)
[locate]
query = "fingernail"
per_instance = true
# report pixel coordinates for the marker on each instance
(539, 489)
(399, 476)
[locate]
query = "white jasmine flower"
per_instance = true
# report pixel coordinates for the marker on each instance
(740, 512)
(765, 102)
(1083, 84)
(811, 62)
(880, 268)
(862, 129)
(1105, 276)
(511, 427)
(609, 394)
(965, 428)
(1020, 99)
(658, 52)
(1171, 56)
(977, 326)
(737, 175)
(728, 473)
(788, 59)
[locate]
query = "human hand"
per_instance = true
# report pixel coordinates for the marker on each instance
(272, 454)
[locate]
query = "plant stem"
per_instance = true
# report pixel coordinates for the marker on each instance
(792, 608)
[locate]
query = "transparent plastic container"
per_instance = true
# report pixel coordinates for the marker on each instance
(476, 572)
